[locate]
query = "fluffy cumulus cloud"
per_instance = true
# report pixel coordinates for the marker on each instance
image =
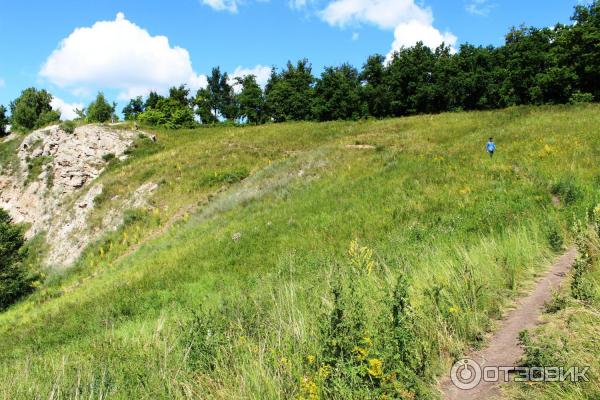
(410, 22)
(260, 72)
(408, 33)
(67, 110)
(386, 14)
(119, 55)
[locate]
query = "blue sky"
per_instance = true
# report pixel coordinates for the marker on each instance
(64, 46)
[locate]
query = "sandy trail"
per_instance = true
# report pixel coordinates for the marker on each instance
(504, 349)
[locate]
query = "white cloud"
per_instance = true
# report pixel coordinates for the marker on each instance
(2, 83)
(261, 72)
(385, 14)
(67, 110)
(480, 8)
(355, 35)
(119, 55)
(409, 33)
(297, 4)
(410, 22)
(222, 5)
(232, 5)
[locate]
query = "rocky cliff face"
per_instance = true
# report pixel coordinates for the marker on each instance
(50, 184)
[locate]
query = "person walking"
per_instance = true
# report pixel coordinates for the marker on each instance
(490, 147)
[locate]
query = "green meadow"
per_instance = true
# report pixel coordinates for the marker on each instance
(308, 260)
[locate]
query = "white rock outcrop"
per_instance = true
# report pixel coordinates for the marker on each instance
(50, 184)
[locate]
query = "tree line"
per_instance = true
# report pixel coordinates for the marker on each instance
(553, 65)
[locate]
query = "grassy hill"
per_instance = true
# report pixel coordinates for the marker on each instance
(331, 260)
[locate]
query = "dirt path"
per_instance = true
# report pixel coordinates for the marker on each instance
(503, 349)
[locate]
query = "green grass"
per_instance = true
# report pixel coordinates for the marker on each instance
(569, 334)
(8, 154)
(35, 167)
(237, 299)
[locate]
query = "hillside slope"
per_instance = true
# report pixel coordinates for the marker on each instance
(297, 266)
(48, 183)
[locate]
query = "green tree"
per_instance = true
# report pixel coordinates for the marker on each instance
(3, 121)
(375, 90)
(15, 281)
(204, 106)
(338, 94)
(251, 100)
(152, 100)
(100, 110)
(582, 47)
(134, 108)
(528, 58)
(217, 99)
(32, 109)
(173, 112)
(410, 78)
(290, 93)
(180, 94)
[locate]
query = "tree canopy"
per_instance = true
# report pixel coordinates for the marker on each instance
(32, 109)
(551, 65)
(3, 121)
(14, 279)
(100, 110)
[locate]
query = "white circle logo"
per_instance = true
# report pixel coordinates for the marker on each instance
(465, 374)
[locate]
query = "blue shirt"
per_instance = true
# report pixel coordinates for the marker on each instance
(490, 146)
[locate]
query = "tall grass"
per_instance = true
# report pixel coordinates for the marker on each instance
(254, 292)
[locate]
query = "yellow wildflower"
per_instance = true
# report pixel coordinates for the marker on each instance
(310, 359)
(361, 257)
(375, 367)
(360, 353)
(325, 371)
(309, 388)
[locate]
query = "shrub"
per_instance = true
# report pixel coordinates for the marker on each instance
(557, 303)
(580, 97)
(48, 118)
(108, 157)
(152, 117)
(15, 281)
(555, 240)
(568, 191)
(582, 287)
(3, 121)
(68, 126)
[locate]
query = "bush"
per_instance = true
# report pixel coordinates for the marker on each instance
(582, 288)
(567, 190)
(68, 126)
(556, 240)
(15, 281)
(108, 157)
(152, 117)
(48, 118)
(3, 121)
(579, 97)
